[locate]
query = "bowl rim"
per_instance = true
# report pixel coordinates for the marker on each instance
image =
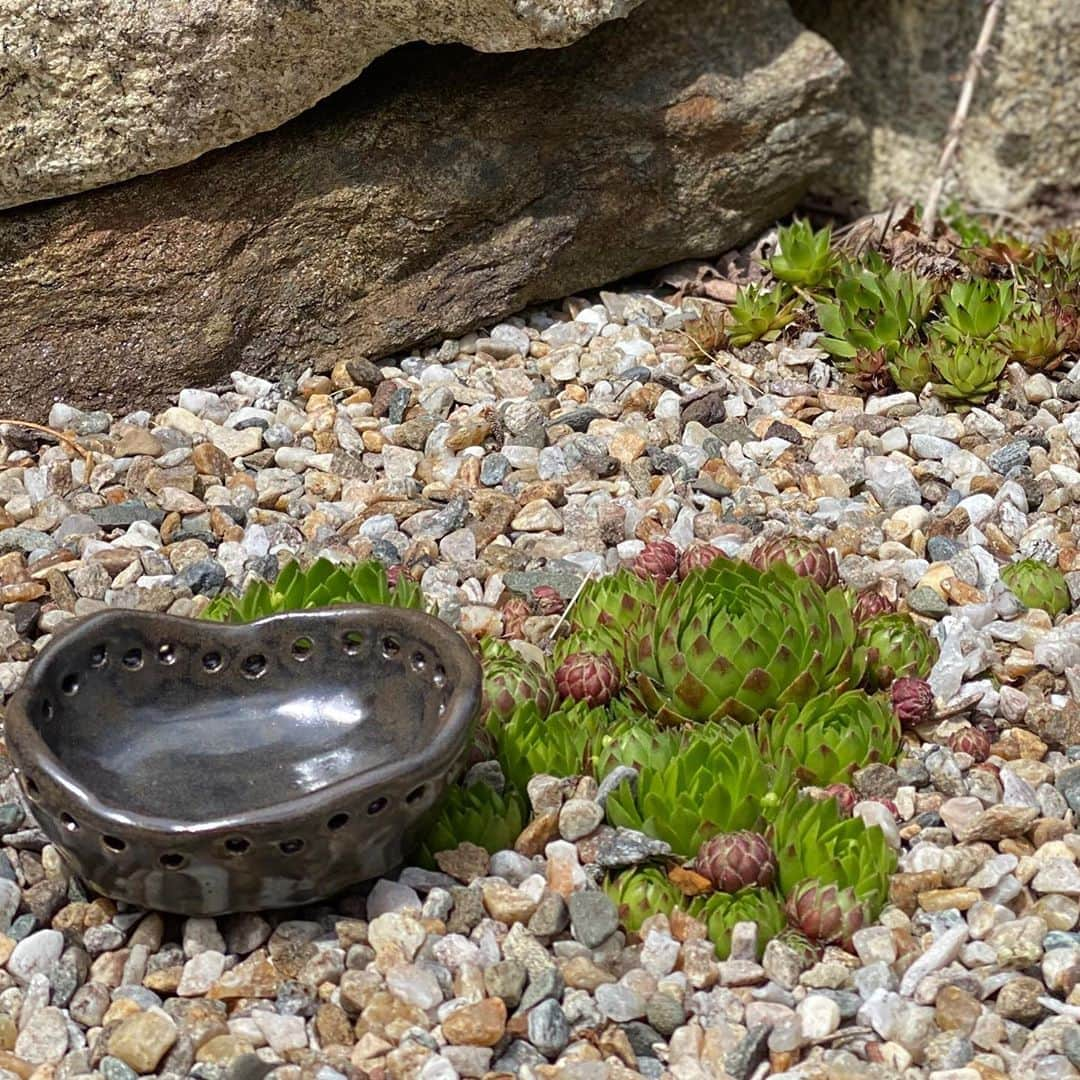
(432, 757)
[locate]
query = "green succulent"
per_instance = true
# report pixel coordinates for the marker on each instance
(734, 642)
(760, 314)
(640, 893)
(968, 371)
(831, 737)
(803, 257)
(605, 610)
(975, 309)
(1038, 585)
(813, 841)
(715, 781)
(322, 584)
(510, 681)
(637, 742)
(721, 911)
(477, 814)
(910, 368)
(1035, 340)
(876, 308)
(558, 743)
(897, 646)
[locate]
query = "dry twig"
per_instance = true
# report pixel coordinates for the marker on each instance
(58, 435)
(963, 105)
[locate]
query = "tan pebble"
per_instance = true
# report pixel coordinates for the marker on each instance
(481, 1024)
(222, 1049)
(935, 578)
(142, 1041)
(12, 1063)
(164, 980)
(943, 899)
(120, 1009)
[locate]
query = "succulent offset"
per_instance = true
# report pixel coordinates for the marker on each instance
(322, 584)
(734, 861)
(807, 558)
(803, 257)
(1037, 584)
(815, 841)
(477, 814)
(760, 314)
(826, 913)
(831, 737)
(720, 912)
(912, 700)
(557, 743)
(733, 641)
(588, 676)
(640, 893)
(710, 780)
(510, 680)
(606, 611)
(659, 560)
(870, 603)
(897, 646)
(696, 556)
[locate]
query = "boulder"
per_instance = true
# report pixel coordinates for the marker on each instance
(95, 91)
(440, 191)
(908, 59)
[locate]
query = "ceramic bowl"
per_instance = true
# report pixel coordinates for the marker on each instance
(205, 768)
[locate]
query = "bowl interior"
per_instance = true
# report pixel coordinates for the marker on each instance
(199, 721)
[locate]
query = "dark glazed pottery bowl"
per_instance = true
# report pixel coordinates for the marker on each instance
(205, 768)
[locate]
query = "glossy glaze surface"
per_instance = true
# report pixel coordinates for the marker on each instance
(204, 768)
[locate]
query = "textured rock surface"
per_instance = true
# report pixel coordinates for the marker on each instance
(442, 189)
(94, 91)
(908, 58)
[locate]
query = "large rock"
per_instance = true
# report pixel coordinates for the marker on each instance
(908, 58)
(95, 91)
(441, 190)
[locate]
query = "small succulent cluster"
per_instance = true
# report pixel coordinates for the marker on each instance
(1037, 584)
(735, 689)
(888, 326)
(322, 584)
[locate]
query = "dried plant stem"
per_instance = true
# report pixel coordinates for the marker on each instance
(566, 611)
(963, 105)
(58, 435)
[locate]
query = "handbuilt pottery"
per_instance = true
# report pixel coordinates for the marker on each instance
(205, 768)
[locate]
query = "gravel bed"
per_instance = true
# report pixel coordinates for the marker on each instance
(549, 448)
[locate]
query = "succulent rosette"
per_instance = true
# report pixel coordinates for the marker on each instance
(658, 559)
(510, 680)
(696, 556)
(829, 738)
(636, 742)
(735, 642)
(640, 893)
(721, 911)
(477, 814)
(972, 741)
(739, 860)
(322, 584)
(588, 676)
(713, 780)
(807, 558)
(826, 914)
(815, 842)
(558, 743)
(912, 701)
(547, 600)
(606, 611)
(870, 603)
(514, 613)
(897, 646)
(1038, 585)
